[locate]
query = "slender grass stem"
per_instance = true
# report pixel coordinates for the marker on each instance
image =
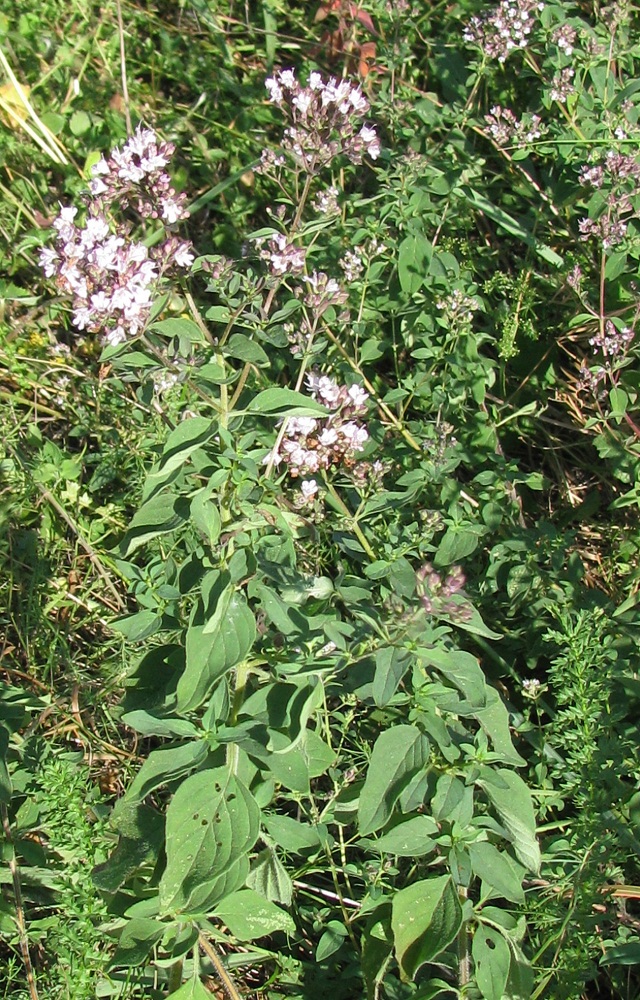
(17, 893)
(123, 69)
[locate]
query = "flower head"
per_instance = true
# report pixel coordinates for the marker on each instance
(111, 277)
(313, 443)
(323, 118)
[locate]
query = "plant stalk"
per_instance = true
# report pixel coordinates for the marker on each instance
(17, 893)
(464, 957)
(225, 979)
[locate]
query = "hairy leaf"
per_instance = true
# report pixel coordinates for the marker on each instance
(493, 867)
(248, 915)
(213, 646)
(512, 801)
(398, 754)
(492, 960)
(426, 917)
(212, 823)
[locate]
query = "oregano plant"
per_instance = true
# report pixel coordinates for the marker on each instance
(306, 663)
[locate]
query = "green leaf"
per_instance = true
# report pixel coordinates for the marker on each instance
(549, 255)
(409, 839)
(79, 123)
(214, 645)
(318, 755)
(136, 627)
(492, 960)
(185, 329)
(461, 668)
(616, 264)
(269, 877)
(332, 939)
(377, 947)
(183, 440)
(206, 516)
(520, 982)
(414, 255)
(507, 222)
(425, 918)
(456, 544)
(391, 666)
(292, 835)
(306, 587)
(136, 941)
(289, 769)
(622, 954)
(398, 754)
(141, 832)
(149, 725)
(249, 915)
(300, 709)
(287, 620)
(192, 990)
(512, 801)
(212, 824)
(242, 347)
(494, 719)
(472, 622)
(53, 121)
(619, 402)
(157, 516)
(285, 402)
(493, 867)
(453, 801)
(218, 314)
(160, 767)
(211, 373)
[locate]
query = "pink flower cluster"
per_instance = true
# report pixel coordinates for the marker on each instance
(440, 596)
(281, 256)
(615, 168)
(325, 120)
(621, 176)
(136, 174)
(612, 342)
(609, 229)
(504, 28)
(565, 37)
(313, 443)
(562, 85)
(505, 129)
(110, 277)
(322, 292)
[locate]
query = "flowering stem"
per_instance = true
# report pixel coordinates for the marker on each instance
(196, 388)
(303, 367)
(294, 225)
(357, 530)
(409, 438)
(195, 312)
(301, 204)
(560, 104)
(240, 386)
